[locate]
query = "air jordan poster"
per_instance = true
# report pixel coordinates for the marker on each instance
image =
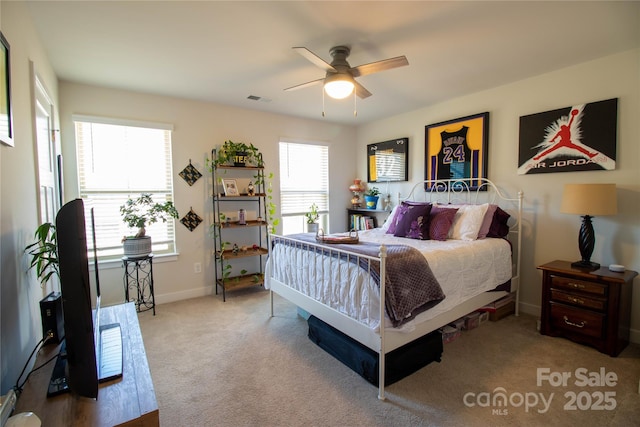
(577, 138)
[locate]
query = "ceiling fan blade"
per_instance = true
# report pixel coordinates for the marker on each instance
(374, 67)
(315, 59)
(361, 91)
(307, 84)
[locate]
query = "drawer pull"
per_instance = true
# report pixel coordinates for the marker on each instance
(577, 325)
(576, 285)
(576, 300)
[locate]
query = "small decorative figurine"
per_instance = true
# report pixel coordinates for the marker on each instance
(250, 189)
(235, 249)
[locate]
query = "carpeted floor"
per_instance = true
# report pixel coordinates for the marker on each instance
(229, 364)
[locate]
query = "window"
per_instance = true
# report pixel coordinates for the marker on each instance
(118, 159)
(304, 180)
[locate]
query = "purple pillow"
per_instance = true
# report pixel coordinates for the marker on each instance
(400, 210)
(499, 227)
(414, 222)
(486, 222)
(440, 221)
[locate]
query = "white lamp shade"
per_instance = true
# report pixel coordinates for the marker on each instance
(589, 199)
(338, 86)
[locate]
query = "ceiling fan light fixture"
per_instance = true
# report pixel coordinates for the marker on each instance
(339, 86)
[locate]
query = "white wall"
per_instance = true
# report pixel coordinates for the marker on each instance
(20, 291)
(548, 234)
(199, 127)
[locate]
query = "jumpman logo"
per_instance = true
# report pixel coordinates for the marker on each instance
(564, 140)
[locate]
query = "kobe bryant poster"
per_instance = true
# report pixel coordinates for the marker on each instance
(577, 138)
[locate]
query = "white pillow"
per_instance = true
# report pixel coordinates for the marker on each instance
(468, 221)
(387, 222)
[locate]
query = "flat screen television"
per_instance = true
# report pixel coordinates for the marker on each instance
(79, 368)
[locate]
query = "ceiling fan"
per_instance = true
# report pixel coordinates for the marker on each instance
(339, 81)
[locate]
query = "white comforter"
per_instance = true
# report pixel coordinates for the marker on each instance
(463, 268)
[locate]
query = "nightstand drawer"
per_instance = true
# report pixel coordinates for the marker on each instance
(577, 321)
(572, 284)
(578, 300)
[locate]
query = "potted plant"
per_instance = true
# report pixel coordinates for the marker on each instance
(371, 197)
(312, 219)
(237, 154)
(44, 253)
(138, 213)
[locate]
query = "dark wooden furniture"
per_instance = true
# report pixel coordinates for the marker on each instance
(377, 215)
(588, 307)
(126, 401)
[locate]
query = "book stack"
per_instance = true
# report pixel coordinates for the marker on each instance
(361, 222)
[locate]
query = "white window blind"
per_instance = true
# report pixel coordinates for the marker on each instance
(118, 160)
(304, 178)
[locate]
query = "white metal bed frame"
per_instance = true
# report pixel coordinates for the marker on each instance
(384, 340)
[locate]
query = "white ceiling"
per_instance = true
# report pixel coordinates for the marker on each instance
(223, 52)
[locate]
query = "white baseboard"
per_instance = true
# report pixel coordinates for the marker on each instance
(182, 295)
(634, 334)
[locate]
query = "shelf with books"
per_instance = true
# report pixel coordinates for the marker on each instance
(365, 219)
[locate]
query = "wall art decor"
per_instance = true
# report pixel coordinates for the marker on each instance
(190, 174)
(6, 116)
(388, 161)
(457, 149)
(191, 220)
(578, 138)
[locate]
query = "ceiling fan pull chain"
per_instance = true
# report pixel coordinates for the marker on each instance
(355, 103)
(322, 102)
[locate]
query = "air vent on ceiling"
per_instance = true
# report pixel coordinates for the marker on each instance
(258, 98)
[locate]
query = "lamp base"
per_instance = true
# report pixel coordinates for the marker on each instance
(589, 265)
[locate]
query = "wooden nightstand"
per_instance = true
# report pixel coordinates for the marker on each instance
(588, 307)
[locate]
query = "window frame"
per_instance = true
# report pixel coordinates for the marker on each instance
(304, 206)
(97, 195)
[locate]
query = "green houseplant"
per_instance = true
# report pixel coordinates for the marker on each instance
(44, 253)
(371, 196)
(312, 218)
(138, 213)
(312, 215)
(237, 154)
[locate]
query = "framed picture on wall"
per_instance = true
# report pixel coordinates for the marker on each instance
(457, 149)
(388, 161)
(6, 118)
(571, 139)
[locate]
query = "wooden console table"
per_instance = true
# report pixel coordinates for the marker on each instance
(126, 401)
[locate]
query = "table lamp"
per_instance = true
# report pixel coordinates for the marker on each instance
(588, 200)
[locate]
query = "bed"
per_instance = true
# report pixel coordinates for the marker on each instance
(464, 235)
